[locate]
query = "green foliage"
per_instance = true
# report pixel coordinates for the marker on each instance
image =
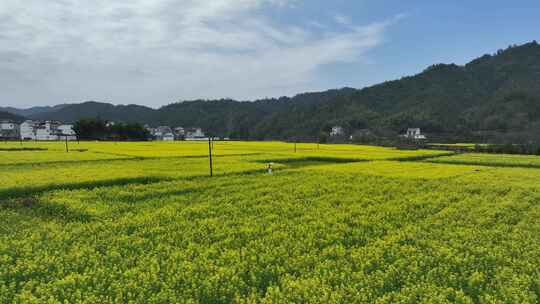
(128, 131)
(10, 116)
(91, 128)
(98, 129)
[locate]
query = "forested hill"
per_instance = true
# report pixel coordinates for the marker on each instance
(32, 111)
(494, 94)
(91, 109)
(10, 116)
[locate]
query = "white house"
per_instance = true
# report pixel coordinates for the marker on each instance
(167, 137)
(179, 132)
(337, 131)
(8, 125)
(66, 130)
(28, 130)
(194, 133)
(54, 130)
(9, 129)
(45, 135)
(47, 131)
(414, 133)
(163, 133)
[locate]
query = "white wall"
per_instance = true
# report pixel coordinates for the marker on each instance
(27, 130)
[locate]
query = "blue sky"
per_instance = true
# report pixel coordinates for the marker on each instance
(430, 32)
(154, 52)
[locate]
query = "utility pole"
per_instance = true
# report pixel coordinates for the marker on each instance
(67, 148)
(295, 146)
(210, 156)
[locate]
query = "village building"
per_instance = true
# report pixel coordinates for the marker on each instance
(150, 130)
(168, 137)
(337, 131)
(414, 133)
(9, 129)
(164, 133)
(179, 133)
(46, 131)
(194, 134)
(66, 131)
(28, 130)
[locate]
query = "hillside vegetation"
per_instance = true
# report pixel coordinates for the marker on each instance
(495, 97)
(10, 116)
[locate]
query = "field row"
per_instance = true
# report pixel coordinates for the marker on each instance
(55, 151)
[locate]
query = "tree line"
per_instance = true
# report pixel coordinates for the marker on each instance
(99, 129)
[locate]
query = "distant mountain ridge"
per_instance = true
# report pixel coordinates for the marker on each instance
(10, 116)
(33, 110)
(73, 112)
(494, 94)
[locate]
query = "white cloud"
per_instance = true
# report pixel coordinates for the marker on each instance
(158, 51)
(343, 20)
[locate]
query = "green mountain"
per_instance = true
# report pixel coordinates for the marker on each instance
(495, 96)
(33, 110)
(10, 116)
(90, 109)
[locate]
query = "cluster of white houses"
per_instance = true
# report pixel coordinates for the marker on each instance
(411, 133)
(37, 130)
(167, 133)
(55, 130)
(414, 133)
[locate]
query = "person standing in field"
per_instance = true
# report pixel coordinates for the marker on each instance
(269, 168)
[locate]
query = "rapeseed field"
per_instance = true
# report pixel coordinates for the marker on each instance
(143, 222)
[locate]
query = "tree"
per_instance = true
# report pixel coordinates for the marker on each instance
(98, 129)
(91, 128)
